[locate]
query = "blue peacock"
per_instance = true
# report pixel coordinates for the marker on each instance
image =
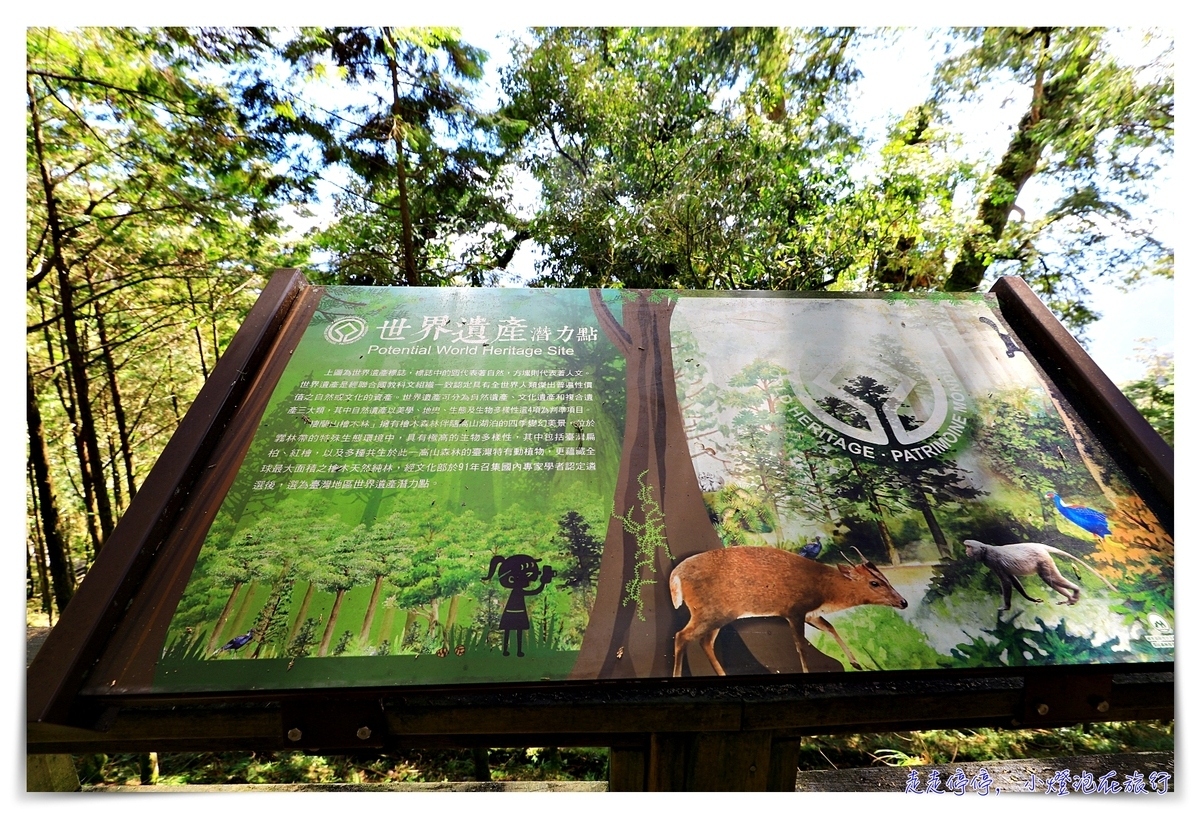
(1089, 519)
(236, 643)
(813, 549)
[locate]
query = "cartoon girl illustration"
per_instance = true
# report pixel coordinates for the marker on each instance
(518, 572)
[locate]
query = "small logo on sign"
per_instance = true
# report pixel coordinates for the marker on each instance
(1163, 635)
(345, 330)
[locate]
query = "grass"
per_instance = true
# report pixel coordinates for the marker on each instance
(591, 763)
(505, 764)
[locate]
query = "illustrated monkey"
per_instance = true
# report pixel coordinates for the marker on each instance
(1026, 559)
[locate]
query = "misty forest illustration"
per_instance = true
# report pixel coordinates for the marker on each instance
(889, 484)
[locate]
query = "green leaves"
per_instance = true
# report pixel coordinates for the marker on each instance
(425, 202)
(1096, 128)
(1154, 393)
(688, 158)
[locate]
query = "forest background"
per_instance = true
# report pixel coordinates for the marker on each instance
(168, 170)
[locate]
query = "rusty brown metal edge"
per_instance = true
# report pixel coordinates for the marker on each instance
(253, 720)
(632, 692)
(55, 675)
(137, 641)
(262, 728)
(1072, 369)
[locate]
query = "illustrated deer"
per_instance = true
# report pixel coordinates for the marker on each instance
(741, 582)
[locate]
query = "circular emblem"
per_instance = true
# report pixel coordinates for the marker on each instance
(345, 330)
(1163, 635)
(896, 412)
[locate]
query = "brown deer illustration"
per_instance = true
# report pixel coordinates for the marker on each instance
(725, 584)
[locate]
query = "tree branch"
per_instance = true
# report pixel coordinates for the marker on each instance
(611, 326)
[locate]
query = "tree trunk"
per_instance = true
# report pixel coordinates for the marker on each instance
(239, 618)
(308, 595)
(434, 615)
(618, 643)
(116, 473)
(931, 521)
(87, 486)
(214, 640)
(877, 510)
(389, 621)
(327, 637)
(452, 614)
(1016, 167)
(812, 474)
(67, 401)
(148, 768)
(77, 368)
(39, 555)
(267, 620)
(410, 261)
(110, 371)
(885, 534)
(370, 617)
(196, 326)
(57, 554)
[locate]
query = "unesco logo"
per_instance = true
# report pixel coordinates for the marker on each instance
(900, 413)
(345, 330)
(1164, 635)
(873, 396)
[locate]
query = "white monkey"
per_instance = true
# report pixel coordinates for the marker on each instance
(1026, 559)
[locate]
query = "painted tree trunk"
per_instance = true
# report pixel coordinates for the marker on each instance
(267, 620)
(618, 643)
(451, 614)
(365, 631)
(434, 615)
(816, 481)
(877, 510)
(327, 637)
(243, 611)
(410, 617)
(215, 639)
(299, 623)
(389, 621)
(931, 520)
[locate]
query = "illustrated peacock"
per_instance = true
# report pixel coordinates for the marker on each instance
(1089, 519)
(236, 643)
(813, 549)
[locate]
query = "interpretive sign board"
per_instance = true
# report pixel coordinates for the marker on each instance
(460, 486)
(499, 517)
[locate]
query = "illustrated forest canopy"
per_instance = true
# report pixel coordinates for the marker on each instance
(457, 486)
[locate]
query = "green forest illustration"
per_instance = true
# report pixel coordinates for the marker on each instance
(701, 434)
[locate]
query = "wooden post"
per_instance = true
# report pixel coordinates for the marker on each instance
(50, 773)
(627, 769)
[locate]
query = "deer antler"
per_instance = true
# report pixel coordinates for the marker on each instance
(860, 554)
